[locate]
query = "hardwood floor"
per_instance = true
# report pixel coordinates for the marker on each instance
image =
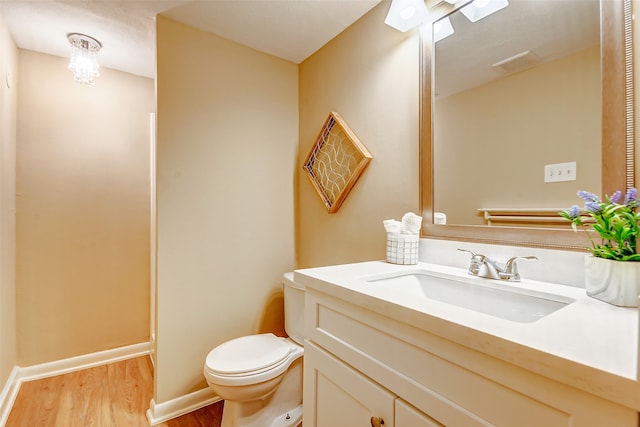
(114, 395)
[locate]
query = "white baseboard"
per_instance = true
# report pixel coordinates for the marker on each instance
(72, 364)
(161, 412)
(58, 367)
(9, 394)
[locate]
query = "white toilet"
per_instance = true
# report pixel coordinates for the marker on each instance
(260, 376)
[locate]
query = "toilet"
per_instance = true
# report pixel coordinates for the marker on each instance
(260, 376)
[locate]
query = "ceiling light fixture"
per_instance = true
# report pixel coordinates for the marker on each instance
(478, 9)
(442, 28)
(406, 14)
(84, 58)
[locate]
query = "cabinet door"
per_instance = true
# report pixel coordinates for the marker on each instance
(336, 395)
(408, 416)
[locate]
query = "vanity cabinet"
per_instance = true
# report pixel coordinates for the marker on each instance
(408, 416)
(361, 364)
(345, 397)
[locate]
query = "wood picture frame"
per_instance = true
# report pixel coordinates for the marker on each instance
(335, 162)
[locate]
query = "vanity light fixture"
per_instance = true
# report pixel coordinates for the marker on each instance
(406, 14)
(442, 28)
(84, 58)
(478, 9)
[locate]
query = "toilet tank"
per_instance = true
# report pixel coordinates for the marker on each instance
(293, 308)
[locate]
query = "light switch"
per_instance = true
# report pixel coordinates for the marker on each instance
(560, 172)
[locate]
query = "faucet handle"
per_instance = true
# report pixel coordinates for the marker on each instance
(510, 271)
(477, 261)
(482, 266)
(473, 254)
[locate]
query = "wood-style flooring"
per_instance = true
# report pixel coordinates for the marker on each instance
(114, 395)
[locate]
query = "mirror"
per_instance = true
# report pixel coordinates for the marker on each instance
(465, 169)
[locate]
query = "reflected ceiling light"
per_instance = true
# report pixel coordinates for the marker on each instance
(84, 58)
(442, 28)
(406, 14)
(478, 9)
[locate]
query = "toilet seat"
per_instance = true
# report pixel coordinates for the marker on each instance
(248, 360)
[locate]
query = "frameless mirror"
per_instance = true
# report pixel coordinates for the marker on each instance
(515, 99)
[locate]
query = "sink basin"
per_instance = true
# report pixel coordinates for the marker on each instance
(484, 296)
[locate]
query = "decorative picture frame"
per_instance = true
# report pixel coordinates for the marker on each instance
(335, 162)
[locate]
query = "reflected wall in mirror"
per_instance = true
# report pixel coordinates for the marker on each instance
(513, 92)
(539, 82)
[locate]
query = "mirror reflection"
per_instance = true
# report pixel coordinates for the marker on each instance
(516, 102)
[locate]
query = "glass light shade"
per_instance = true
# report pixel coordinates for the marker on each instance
(406, 14)
(442, 28)
(84, 58)
(478, 9)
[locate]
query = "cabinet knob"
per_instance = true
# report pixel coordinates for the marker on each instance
(377, 422)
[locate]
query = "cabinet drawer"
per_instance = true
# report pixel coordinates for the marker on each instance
(343, 396)
(408, 416)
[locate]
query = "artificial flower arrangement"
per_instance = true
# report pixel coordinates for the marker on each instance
(615, 219)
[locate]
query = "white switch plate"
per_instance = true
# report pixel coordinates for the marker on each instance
(560, 172)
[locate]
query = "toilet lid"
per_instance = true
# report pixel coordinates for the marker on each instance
(248, 354)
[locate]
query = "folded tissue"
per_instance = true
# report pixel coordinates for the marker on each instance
(439, 218)
(403, 239)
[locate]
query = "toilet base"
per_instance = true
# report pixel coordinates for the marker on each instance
(291, 418)
(273, 410)
(240, 414)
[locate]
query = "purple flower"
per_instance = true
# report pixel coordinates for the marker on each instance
(630, 196)
(593, 206)
(588, 197)
(574, 211)
(616, 197)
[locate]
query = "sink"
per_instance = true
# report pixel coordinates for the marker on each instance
(482, 295)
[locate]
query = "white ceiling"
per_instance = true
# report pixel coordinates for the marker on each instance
(289, 29)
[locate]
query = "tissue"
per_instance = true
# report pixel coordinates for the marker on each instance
(392, 226)
(439, 218)
(411, 223)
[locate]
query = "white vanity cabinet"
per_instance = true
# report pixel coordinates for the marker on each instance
(361, 364)
(408, 416)
(345, 397)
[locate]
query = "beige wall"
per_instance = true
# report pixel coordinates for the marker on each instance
(369, 75)
(226, 144)
(487, 133)
(8, 109)
(83, 210)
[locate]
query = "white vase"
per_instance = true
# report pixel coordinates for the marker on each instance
(615, 282)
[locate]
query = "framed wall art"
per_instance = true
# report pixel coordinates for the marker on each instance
(335, 162)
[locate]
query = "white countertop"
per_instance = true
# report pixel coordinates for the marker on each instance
(588, 344)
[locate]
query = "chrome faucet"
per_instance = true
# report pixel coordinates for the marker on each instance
(483, 266)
